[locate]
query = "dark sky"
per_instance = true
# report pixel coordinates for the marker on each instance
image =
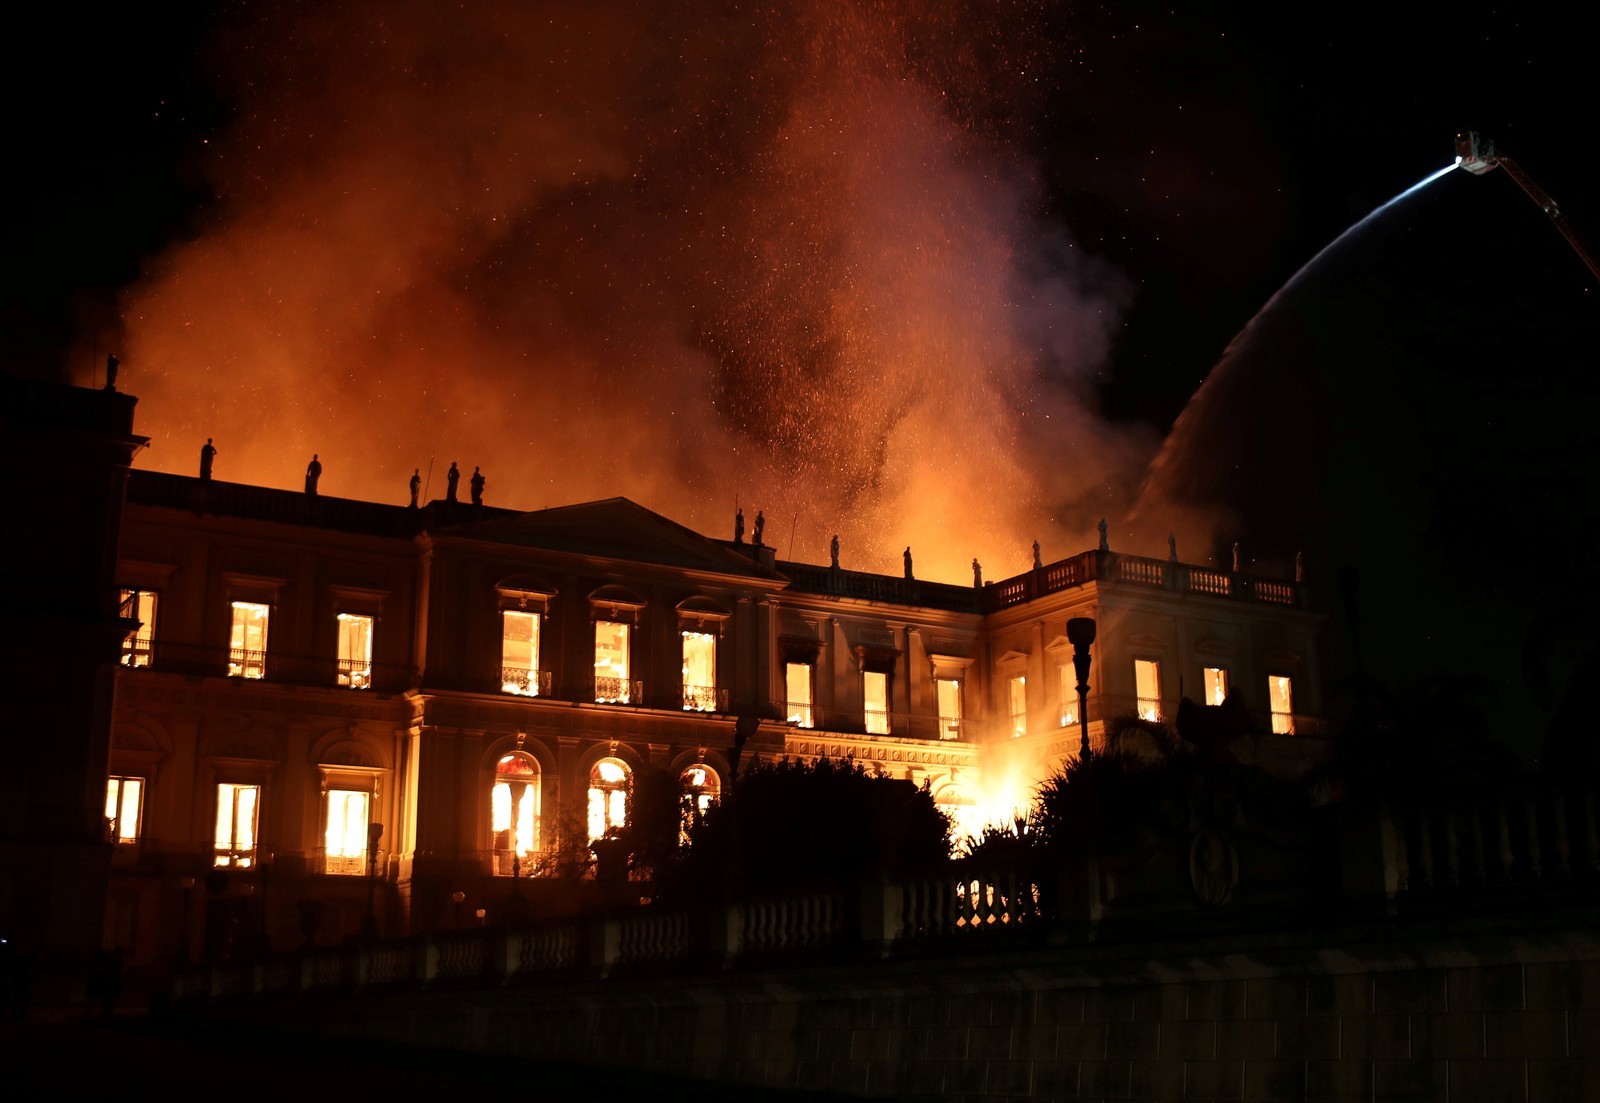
(1207, 150)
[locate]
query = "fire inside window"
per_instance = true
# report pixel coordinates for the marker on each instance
(1280, 697)
(514, 815)
(1216, 679)
(138, 648)
(611, 662)
(797, 682)
(1147, 688)
(699, 671)
(344, 838)
(701, 788)
(519, 652)
(235, 838)
(1069, 694)
(124, 807)
(949, 708)
(1017, 700)
(608, 797)
(355, 651)
(247, 642)
(875, 701)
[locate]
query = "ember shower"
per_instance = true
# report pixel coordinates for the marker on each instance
(694, 255)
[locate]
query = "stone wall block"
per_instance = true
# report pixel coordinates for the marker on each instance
(1275, 997)
(1447, 1035)
(1410, 1081)
(1380, 1037)
(1138, 1041)
(1488, 1082)
(1213, 1080)
(1188, 1041)
(1527, 1034)
(1341, 994)
(1338, 1081)
(1410, 991)
(1486, 988)
(1308, 1037)
(1551, 984)
(1247, 1040)
(1275, 1081)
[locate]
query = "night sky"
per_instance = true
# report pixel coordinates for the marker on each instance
(1197, 156)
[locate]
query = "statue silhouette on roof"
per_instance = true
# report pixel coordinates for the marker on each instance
(416, 486)
(207, 454)
(738, 527)
(313, 473)
(908, 560)
(451, 478)
(477, 487)
(761, 523)
(833, 553)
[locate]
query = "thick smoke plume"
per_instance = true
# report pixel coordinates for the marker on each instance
(696, 255)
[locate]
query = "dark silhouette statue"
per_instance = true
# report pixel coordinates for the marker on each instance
(977, 573)
(908, 560)
(111, 373)
(761, 523)
(207, 454)
(1036, 563)
(313, 473)
(738, 527)
(416, 486)
(452, 477)
(1105, 544)
(833, 551)
(477, 487)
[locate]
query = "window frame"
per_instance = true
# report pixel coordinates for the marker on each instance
(1224, 676)
(114, 825)
(1156, 712)
(240, 663)
(516, 860)
(1280, 722)
(347, 675)
(145, 634)
(234, 856)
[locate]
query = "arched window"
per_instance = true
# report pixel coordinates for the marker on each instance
(610, 785)
(701, 789)
(514, 814)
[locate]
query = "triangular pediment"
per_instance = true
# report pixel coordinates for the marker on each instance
(615, 529)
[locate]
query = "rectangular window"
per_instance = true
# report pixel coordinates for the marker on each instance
(1216, 680)
(699, 671)
(519, 652)
(875, 701)
(344, 838)
(138, 648)
(611, 683)
(1280, 695)
(1017, 702)
(1147, 688)
(355, 651)
(247, 655)
(949, 708)
(1069, 694)
(237, 807)
(797, 683)
(124, 807)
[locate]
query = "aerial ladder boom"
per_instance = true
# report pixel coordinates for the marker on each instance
(1477, 156)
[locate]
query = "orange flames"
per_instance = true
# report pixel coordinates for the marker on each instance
(789, 260)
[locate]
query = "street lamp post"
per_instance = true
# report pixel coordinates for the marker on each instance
(369, 925)
(1080, 633)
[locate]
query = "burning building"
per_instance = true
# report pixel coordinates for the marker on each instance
(338, 715)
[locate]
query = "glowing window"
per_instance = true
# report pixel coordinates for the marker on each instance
(1280, 696)
(797, 682)
(139, 648)
(699, 671)
(514, 814)
(235, 837)
(701, 788)
(608, 797)
(124, 807)
(1147, 688)
(949, 690)
(355, 651)
(519, 652)
(346, 812)
(875, 701)
(1216, 682)
(611, 662)
(1017, 700)
(1068, 676)
(247, 642)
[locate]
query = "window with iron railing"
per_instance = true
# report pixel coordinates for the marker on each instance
(611, 662)
(797, 679)
(138, 649)
(247, 641)
(699, 671)
(355, 651)
(347, 813)
(1216, 685)
(1017, 703)
(519, 654)
(1147, 689)
(949, 694)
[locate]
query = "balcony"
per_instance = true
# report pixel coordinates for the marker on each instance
(522, 682)
(272, 666)
(618, 691)
(899, 725)
(355, 673)
(704, 699)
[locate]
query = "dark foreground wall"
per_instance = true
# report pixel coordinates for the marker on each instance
(1504, 1006)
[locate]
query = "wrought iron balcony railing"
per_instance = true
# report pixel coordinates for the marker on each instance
(618, 691)
(522, 682)
(704, 699)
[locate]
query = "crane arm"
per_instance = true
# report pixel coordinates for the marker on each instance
(1478, 156)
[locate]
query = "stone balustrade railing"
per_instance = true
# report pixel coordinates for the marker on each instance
(1533, 845)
